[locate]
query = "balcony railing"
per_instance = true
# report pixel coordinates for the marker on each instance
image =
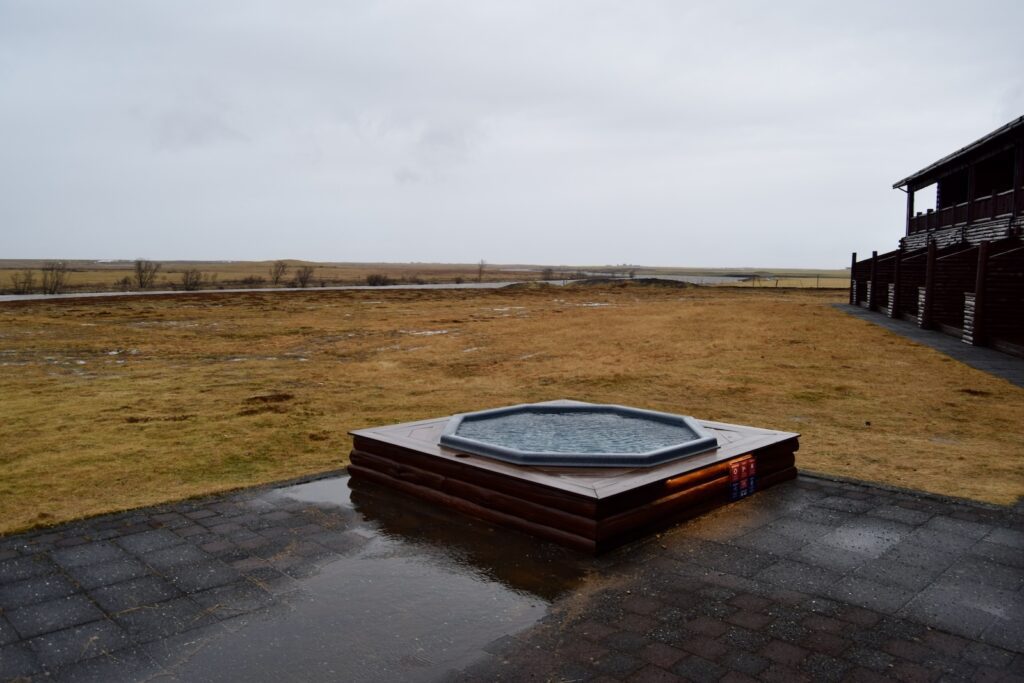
(982, 208)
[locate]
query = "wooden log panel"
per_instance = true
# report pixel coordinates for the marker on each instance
(955, 274)
(474, 510)
(642, 515)
(970, 332)
(1004, 295)
(586, 509)
(660, 493)
(976, 233)
(466, 489)
(643, 512)
(549, 497)
(912, 271)
(613, 532)
(694, 507)
(768, 460)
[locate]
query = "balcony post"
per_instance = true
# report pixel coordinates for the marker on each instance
(910, 207)
(873, 284)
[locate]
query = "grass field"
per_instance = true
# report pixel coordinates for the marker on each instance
(112, 404)
(105, 276)
(101, 276)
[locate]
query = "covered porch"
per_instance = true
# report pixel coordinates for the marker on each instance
(981, 184)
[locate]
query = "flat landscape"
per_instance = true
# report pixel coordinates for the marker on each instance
(117, 403)
(98, 276)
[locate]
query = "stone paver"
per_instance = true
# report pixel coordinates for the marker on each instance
(811, 580)
(729, 608)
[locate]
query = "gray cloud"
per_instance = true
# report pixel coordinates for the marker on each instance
(181, 129)
(741, 133)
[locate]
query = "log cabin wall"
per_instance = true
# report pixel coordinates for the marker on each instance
(999, 319)
(976, 277)
(859, 276)
(884, 272)
(955, 274)
(912, 272)
(1003, 313)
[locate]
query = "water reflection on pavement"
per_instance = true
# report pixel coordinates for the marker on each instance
(422, 593)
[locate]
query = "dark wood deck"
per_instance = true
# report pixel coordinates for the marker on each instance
(592, 509)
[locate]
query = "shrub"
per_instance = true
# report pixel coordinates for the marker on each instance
(23, 282)
(303, 276)
(145, 273)
(277, 272)
(191, 279)
(55, 277)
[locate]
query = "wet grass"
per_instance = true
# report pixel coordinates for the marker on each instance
(110, 405)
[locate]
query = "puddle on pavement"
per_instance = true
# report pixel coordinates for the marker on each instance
(423, 597)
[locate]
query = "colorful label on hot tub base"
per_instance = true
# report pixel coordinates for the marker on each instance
(742, 477)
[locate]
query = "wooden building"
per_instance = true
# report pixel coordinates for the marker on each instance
(960, 266)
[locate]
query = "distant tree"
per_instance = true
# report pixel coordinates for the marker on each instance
(303, 275)
(277, 272)
(480, 270)
(55, 277)
(377, 280)
(23, 282)
(145, 273)
(547, 274)
(191, 279)
(124, 284)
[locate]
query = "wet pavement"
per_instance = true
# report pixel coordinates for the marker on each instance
(323, 580)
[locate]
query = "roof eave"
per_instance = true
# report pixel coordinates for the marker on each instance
(949, 158)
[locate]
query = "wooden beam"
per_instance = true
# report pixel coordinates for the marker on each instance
(873, 291)
(853, 279)
(895, 312)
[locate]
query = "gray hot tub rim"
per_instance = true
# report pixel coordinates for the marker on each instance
(705, 440)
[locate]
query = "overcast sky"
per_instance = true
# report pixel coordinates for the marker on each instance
(644, 132)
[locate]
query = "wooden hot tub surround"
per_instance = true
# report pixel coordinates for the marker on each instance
(592, 509)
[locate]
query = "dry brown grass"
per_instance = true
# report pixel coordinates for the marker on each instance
(97, 276)
(113, 404)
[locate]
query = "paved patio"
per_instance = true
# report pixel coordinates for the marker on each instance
(813, 579)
